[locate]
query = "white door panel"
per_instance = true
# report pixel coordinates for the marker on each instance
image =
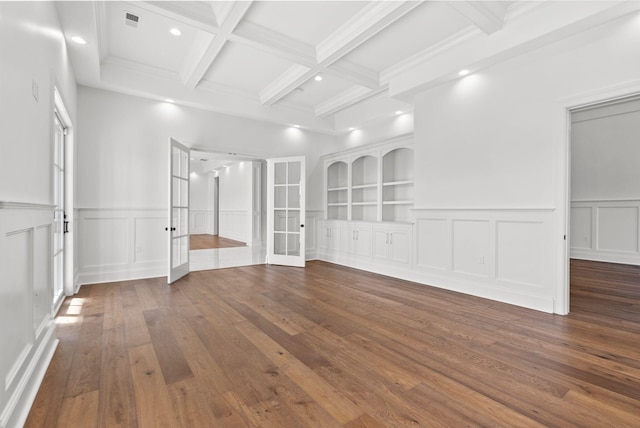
(178, 211)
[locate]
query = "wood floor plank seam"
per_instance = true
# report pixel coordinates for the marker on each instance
(329, 346)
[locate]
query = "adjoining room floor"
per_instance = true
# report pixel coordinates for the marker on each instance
(329, 346)
(203, 242)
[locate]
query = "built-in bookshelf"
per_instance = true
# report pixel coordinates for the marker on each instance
(338, 190)
(373, 183)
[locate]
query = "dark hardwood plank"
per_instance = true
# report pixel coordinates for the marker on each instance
(329, 346)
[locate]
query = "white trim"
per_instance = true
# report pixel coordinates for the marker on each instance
(562, 179)
(6, 205)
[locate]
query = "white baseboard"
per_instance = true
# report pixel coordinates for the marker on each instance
(625, 259)
(122, 275)
(17, 409)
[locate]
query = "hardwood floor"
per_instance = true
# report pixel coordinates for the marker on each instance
(205, 242)
(328, 346)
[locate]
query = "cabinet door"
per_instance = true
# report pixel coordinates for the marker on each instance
(334, 238)
(349, 239)
(400, 246)
(381, 244)
(363, 242)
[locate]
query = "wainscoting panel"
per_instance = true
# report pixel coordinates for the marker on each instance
(520, 253)
(150, 243)
(607, 231)
(201, 221)
(433, 237)
(581, 225)
(501, 254)
(42, 276)
(470, 246)
(310, 226)
(235, 224)
(618, 229)
(118, 245)
(27, 341)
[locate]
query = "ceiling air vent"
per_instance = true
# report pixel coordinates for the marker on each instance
(131, 20)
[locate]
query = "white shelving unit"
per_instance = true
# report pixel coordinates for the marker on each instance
(373, 183)
(338, 191)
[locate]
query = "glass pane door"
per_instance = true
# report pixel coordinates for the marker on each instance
(178, 211)
(286, 211)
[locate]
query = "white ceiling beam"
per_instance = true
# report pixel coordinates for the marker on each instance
(372, 19)
(488, 16)
(536, 28)
(270, 41)
(345, 99)
(100, 11)
(295, 76)
(197, 70)
(354, 73)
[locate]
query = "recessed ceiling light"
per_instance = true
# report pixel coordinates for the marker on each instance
(318, 78)
(175, 31)
(352, 129)
(169, 100)
(398, 111)
(296, 126)
(463, 72)
(79, 40)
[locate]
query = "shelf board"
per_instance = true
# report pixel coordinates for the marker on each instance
(364, 186)
(337, 204)
(397, 183)
(364, 203)
(335, 189)
(397, 203)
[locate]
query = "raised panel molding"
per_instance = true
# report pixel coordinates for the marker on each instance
(121, 244)
(498, 253)
(27, 346)
(606, 231)
(200, 221)
(235, 224)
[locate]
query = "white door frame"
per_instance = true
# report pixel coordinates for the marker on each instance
(562, 130)
(178, 227)
(286, 258)
(69, 285)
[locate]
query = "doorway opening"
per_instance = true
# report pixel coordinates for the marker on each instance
(226, 211)
(603, 210)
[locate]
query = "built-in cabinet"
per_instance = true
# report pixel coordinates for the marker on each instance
(369, 194)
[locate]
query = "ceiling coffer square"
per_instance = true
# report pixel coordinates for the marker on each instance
(131, 20)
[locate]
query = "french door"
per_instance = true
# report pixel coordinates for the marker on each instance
(59, 217)
(286, 211)
(178, 211)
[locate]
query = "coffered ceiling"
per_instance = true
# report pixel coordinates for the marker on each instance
(262, 59)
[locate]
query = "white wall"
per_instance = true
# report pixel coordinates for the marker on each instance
(32, 55)
(490, 144)
(200, 201)
(236, 193)
(123, 167)
(605, 183)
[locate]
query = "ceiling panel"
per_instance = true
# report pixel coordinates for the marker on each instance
(150, 43)
(246, 68)
(309, 22)
(427, 25)
(314, 92)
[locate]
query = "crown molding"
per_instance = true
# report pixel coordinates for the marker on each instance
(189, 13)
(100, 12)
(140, 68)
